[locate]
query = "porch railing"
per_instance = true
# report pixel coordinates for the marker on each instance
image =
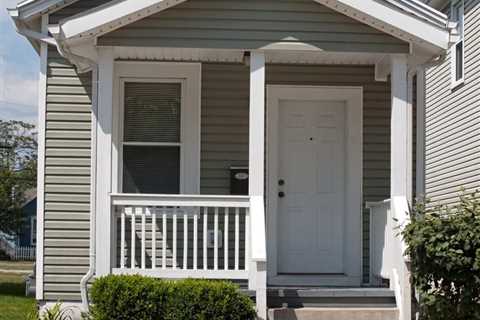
(178, 236)
(388, 259)
(192, 236)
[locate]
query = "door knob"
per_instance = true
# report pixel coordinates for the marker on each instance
(281, 194)
(281, 182)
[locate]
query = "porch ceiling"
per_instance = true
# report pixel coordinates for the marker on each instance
(238, 56)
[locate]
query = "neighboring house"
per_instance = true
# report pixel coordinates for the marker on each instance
(453, 109)
(147, 108)
(27, 236)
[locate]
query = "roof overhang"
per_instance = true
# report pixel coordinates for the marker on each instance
(32, 9)
(410, 20)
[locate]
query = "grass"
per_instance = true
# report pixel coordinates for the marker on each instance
(13, 303)
(16, 265)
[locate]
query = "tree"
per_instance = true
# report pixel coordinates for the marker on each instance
(18, 171)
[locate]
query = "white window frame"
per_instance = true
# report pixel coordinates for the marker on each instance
(189, 76)
(460, 19)
(33, 231)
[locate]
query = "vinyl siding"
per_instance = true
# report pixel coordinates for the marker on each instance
(67, 179)
(253, 24)
(453, 122)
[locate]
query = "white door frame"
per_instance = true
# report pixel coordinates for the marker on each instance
(353, 97)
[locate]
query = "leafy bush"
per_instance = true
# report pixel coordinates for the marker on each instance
(444, 243)
(140, 298)
(57, 312)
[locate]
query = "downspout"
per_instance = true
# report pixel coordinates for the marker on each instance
(93, 189)
(420, 167)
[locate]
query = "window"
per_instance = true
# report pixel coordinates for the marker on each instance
(156, 127)
(457, 52)
(33, 231)
(152, 139)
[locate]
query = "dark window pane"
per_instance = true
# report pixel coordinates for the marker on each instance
(459, 61)
(152, 112)
(151, 169)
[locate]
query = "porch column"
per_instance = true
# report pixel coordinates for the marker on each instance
(257, 124)
(399, 128)
(256, 187)
(104, 161)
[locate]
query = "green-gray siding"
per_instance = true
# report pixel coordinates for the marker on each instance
(67, 179)
(252, 24)
(453, 121)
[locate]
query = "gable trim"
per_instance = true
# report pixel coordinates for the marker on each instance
(427, 27)
(395, 22)
(111, 16)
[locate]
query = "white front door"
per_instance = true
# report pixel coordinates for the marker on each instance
(314, 185)
(311, 204)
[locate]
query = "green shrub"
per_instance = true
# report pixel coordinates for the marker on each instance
(444, 244)
(140, 298)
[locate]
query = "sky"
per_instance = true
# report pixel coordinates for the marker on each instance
(19, 69)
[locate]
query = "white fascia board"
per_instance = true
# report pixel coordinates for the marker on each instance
(34, 8)
(393, 21)
(111, 16)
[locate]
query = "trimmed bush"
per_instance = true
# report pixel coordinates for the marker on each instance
(141, 298)
(444, 244)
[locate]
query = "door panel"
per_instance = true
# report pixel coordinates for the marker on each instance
(312, 163)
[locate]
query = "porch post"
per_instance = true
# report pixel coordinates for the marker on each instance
(257, 124)
(399, 128)
(257, 269)
(104, 161)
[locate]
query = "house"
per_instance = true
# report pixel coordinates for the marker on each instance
(452, 109)
(27, 237)
(147, 106)
(21, 245)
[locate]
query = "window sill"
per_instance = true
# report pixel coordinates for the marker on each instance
(456, 84)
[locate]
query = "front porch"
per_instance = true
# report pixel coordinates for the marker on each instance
(258, 115)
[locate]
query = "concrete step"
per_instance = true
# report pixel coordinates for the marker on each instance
(333, 314)
(308, 297)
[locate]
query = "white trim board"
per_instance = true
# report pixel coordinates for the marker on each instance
(412, 26)
(189, 75)
(42, 111)
(353, 96)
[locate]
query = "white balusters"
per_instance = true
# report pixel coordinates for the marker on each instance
(185, 241)
(223, 235)
(164, 240)
(247, 237)
(154, 238)
(122, 238)
(195, 240)
(174, 236)
(205, 238)
(215, 240)
(237, 238)
(144, 222)
(225, 241)
(132, 241)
